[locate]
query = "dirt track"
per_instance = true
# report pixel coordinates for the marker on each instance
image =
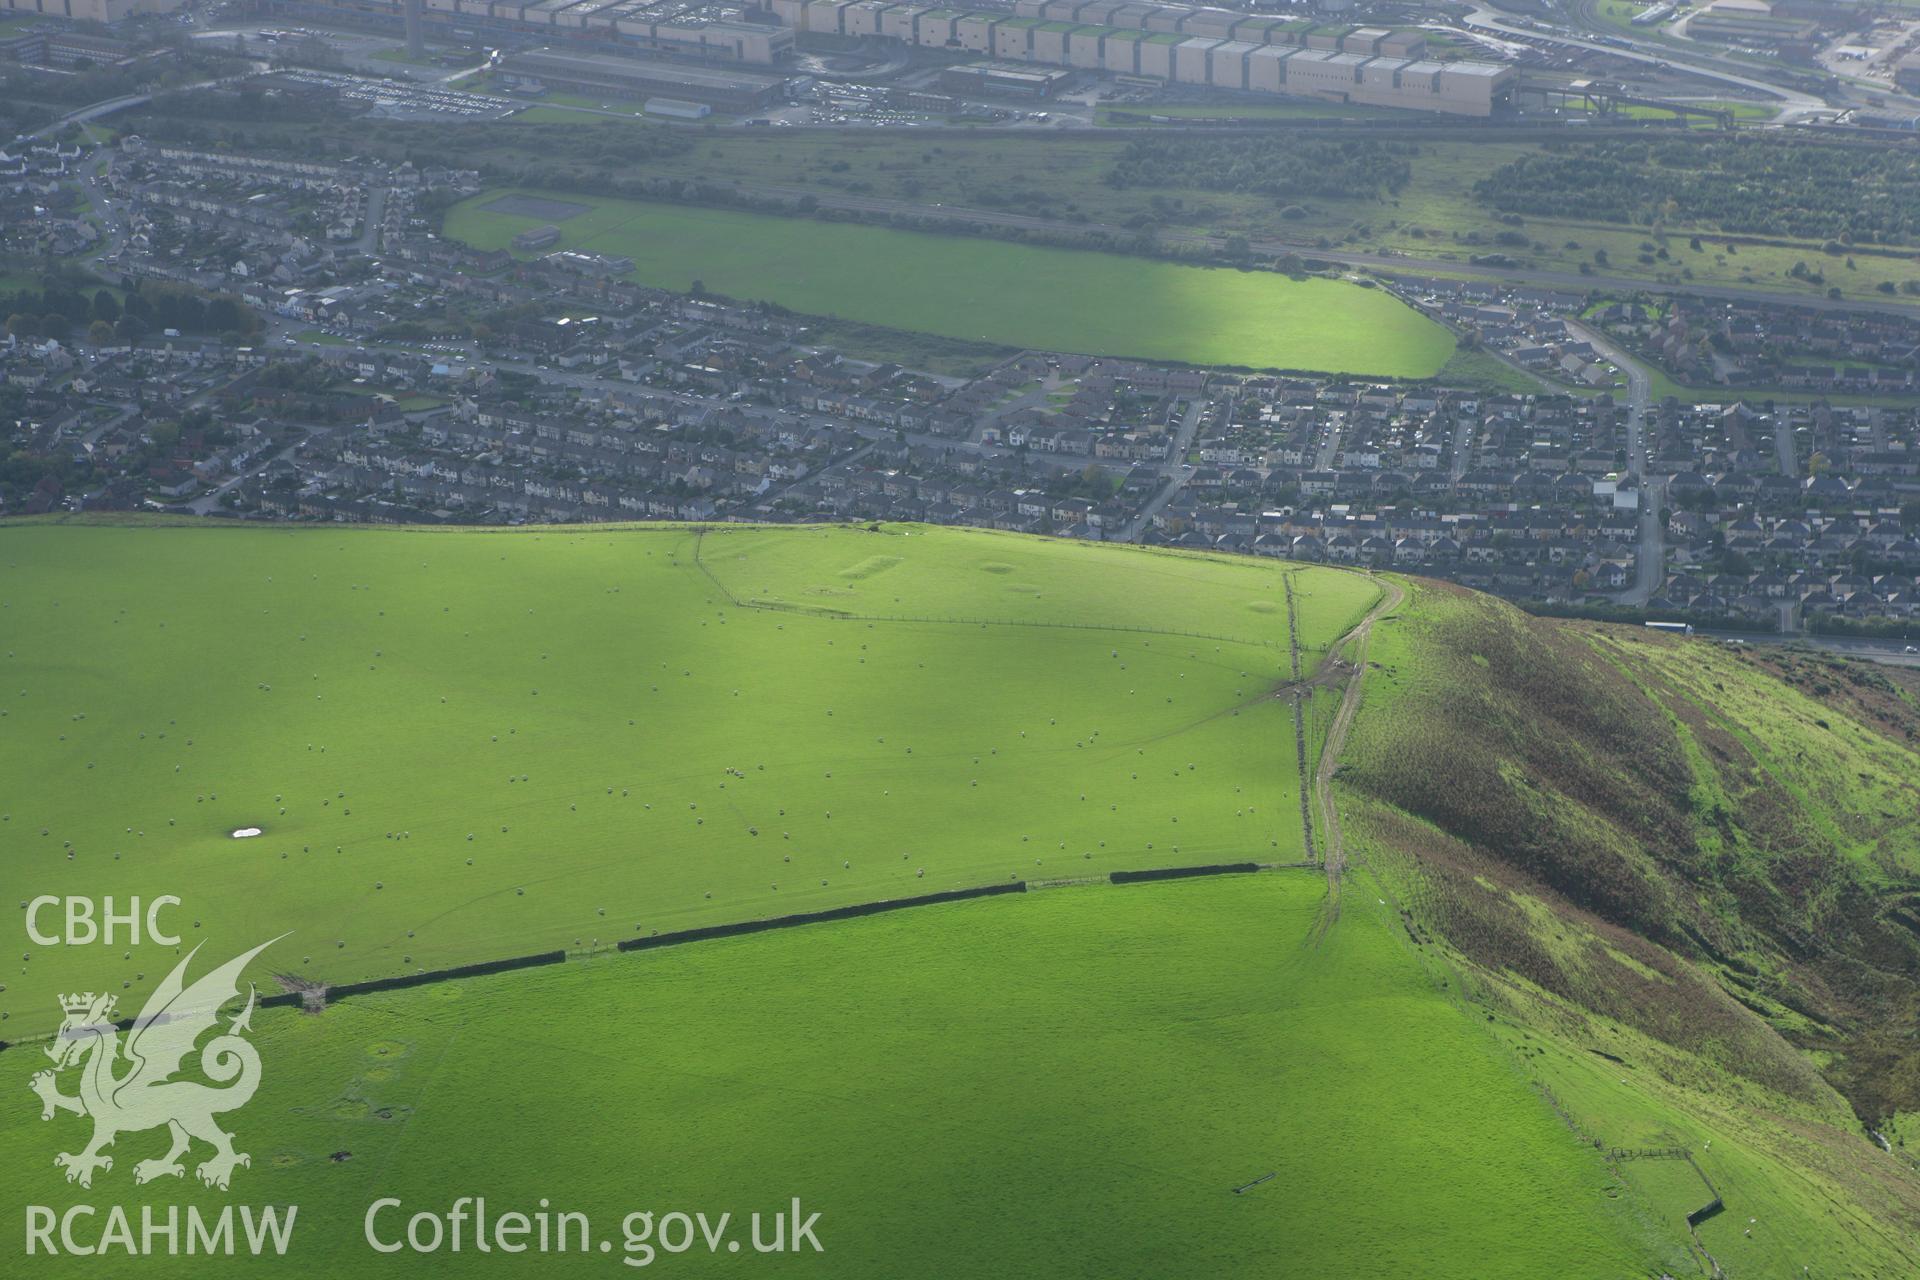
(1332, 844)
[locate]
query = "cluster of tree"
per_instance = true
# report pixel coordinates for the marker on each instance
(60, 307)
(56, 308)
(251, 100)
(184, 64)
(614, 162)
(561, 156)
(1825, 624)
(308, 374)
(18, 116)
(22, 472)
(1748, 185)
(196, 427)
(1285, 167)
(1093, 482)
(166, 305)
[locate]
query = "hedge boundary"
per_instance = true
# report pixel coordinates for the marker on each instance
(404, 980)
(768, 923)
(1182, 873)
(679, 937)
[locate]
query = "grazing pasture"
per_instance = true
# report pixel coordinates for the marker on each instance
(1067, 1083)
(462, 745)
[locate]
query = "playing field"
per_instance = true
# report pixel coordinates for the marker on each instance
(463, 745)
(1064, 1083)
(992, 291)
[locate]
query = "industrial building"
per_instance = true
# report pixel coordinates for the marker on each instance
(599, 266)
(612, 76)
(89, 10)
(63, 49)
(676, 108)
(684, 28)
(1184, 44)
(1906, 73)
(1755, 22)
(997, 80)
(900, 21)
(537, 238)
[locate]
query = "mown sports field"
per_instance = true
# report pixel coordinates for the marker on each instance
(985, 290)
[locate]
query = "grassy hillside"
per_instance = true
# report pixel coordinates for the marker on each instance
(1629, 923)
(1678, 884)
(1064, 1083)
(464, 745)
(1032, 580)
(994, 292)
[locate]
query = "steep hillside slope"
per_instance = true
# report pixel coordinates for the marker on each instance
(1661, 862)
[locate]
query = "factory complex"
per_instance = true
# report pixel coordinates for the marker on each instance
(1185, 44)
(1170, 43)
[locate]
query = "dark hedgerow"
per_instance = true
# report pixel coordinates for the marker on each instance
(1752, 186)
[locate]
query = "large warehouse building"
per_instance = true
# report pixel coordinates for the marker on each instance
(89, 10)
(614, 76)
(684, 28)
(1218, 48)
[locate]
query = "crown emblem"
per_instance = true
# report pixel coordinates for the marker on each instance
(80, 1002)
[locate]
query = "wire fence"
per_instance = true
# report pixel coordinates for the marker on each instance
(1299, 719)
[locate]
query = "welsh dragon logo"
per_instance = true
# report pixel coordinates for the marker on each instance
(129, 1087)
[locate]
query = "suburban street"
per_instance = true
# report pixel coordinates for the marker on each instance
(1651, 553)
(1176, 469)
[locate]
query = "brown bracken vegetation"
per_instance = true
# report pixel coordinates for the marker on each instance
(1529, 759)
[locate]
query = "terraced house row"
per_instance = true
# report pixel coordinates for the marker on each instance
(1216, 48)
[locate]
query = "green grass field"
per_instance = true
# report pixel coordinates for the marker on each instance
(464, 745)
(1484, 369)
(992, 291)
(1065, 1083)
(564, 115)
(1030, 580)
(1581, 862)
(1739, 111)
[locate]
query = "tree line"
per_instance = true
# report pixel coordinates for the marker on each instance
(1754, 186)
(57, 308)
(1285, 167)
